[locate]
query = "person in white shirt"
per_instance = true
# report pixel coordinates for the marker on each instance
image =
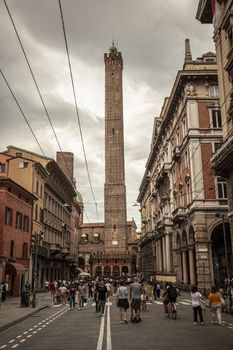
(197, 299)
(63, 291)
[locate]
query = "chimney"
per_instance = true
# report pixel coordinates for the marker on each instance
(65, 160)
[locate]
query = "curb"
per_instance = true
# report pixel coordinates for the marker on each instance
(10, 324)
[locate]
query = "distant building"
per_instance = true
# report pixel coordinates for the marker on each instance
(182, 238)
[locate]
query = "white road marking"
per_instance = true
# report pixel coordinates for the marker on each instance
(34, 332)
(93, 304)
(14, 346)
(19, 336)
(109, 340)
(3, 346)
(58, 305)
(39, 329)
(184, 303)
(29, 336)
(11, 341)
(230, 324)
(230, 327)
(158, 302)
(25, 332)
(101, 334)
(31, 329)
(22, 340)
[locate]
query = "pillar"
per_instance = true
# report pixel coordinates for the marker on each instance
(168, 252)
(192, 265)
(164, 254)
(160, 255)
(185, 267)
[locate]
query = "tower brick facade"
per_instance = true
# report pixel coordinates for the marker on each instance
(114, 190)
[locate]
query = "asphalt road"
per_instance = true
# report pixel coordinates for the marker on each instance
(59, 328)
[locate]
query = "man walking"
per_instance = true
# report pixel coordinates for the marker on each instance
(136, 291)
(102, 294)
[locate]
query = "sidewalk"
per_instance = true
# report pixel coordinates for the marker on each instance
(11, 312)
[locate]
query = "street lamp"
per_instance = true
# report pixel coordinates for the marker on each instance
(218, 215)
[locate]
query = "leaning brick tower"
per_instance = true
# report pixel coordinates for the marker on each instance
(114, 190)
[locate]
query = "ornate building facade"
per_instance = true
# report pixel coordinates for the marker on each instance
(181, 199)
(220, 13)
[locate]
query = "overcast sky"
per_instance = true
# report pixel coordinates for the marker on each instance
(150, 34)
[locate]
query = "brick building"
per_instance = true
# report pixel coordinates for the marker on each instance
(182, 237)
(109, 248)
(16, 206)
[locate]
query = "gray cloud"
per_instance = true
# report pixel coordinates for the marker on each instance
(150, 35)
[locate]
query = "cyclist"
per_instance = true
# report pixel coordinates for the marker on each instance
(169, 295)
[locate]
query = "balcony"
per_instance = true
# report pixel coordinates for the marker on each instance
(222, 158)
(162, 174)
(176, 154)
(178, 215)
(65, 251)
(54, 248)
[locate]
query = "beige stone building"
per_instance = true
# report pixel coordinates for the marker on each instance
(57, 212)
(220, 13)
(179, 195)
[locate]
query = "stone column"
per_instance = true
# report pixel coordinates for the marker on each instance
(185, 267)
(192, 265)
(211, 263)
(168, 252)
(160, 263)
(164, 254)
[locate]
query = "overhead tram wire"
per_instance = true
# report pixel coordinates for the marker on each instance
(37, 87)
(23, 114)
(76, 108)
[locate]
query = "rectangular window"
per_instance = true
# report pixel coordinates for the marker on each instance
(25, 250)
(19, 220)
(26, 223)
(23, 165)
(216, 121)
(41, 191)
(37, 187)
(18, 154)
(41, 215)
(8, 216)
(36, 212)
(2, 168)
(213, 91)
(216, 146)
(12, 249)
(222, 187)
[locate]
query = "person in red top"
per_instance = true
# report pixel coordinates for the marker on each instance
(215, 305)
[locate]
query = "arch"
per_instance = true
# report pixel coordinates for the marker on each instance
(178, 241)
(107, 271)
(184, 239)
(219, 252)
(98, 271)
(124, 269)
(116, 271)
(191, 236)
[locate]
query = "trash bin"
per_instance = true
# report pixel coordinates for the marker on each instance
(25, 299)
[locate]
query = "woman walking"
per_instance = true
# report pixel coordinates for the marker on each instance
(196, 299)
(122, 301)
(215, 305)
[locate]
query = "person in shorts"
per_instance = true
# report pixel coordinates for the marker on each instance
(136, 291)
(122, 301)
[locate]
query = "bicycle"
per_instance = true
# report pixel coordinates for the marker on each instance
(172, 311)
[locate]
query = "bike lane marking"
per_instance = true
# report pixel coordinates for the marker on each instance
(109, 339)
(101, 333)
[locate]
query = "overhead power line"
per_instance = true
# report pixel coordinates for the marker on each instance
(37, 87)
(22, 112)
(76, 108)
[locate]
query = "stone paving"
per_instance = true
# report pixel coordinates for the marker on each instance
(11, 312)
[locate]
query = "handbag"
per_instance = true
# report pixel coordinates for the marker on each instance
(202, 304)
